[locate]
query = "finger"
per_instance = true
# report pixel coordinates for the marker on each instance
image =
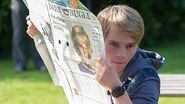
(28, 17)
(29, 23)
(97, 76)
(29, 34)
(100, 61)
(100, 67)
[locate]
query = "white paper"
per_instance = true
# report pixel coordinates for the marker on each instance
(68, 66)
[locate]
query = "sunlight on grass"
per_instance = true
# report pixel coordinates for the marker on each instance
(174, 54)
(35, 87)
(21, 92)
(172, 100)
(29, 87)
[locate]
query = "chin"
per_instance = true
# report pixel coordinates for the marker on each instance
(119, 69)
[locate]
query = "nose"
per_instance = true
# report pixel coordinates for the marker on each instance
(84, 48)
(121, 53)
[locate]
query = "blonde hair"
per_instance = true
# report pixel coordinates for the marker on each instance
(125, 17)
(79, 32)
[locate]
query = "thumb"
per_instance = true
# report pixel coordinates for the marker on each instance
(101, 61)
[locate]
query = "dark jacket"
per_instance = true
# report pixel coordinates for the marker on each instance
(144, 87)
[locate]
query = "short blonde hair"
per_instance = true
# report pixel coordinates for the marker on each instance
(125, 17)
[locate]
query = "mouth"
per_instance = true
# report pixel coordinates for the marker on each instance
(119, 63)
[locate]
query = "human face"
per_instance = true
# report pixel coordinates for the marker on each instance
(120, 47)
(83, 48)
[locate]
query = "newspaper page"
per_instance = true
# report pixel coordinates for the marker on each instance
(71, 40)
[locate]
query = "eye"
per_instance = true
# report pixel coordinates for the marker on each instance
(130, 46)
(114, 44)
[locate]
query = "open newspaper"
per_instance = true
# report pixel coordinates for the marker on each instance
(69, 42)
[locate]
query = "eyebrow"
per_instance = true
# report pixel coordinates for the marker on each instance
(119, 42)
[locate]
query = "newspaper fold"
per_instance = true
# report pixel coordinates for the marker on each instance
(69, 42)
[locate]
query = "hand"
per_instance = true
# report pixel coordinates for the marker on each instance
(106, 74)
(31, 29)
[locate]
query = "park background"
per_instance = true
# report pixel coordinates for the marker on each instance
(164, 33)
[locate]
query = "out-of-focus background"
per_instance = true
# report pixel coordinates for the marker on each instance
(164, 33)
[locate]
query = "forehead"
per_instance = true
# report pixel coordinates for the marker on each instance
(116, 34)
(80, 36)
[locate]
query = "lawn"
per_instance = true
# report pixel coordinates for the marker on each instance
(35, 87)
(30, 87)
(174, 54)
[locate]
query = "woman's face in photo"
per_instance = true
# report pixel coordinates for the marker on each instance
(83, 47)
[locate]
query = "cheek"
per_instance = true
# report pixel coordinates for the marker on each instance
(129, 57)
(131, 54)
(109, 53)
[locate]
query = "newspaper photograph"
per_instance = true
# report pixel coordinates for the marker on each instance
(69, 42)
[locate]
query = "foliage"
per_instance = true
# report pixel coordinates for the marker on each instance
(174, 57)
(164, 20)
(5, 28)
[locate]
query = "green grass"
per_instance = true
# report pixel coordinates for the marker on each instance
(172, 100)
(174, 54)
(35, 87)
(30, 87)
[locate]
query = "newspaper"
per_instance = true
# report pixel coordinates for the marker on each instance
(69, 42)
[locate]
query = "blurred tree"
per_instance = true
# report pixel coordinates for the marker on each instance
(164, 20)
(5, 29)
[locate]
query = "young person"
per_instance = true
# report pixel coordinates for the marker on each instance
(128, 71)
(123, 30)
